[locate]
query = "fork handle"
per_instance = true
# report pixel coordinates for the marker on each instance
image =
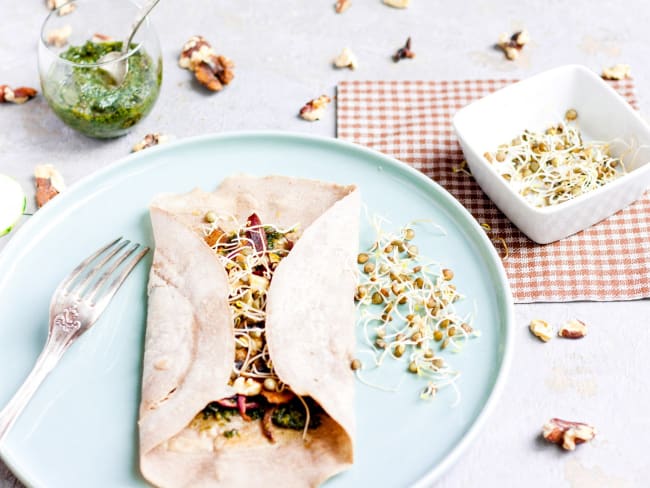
(45, 363)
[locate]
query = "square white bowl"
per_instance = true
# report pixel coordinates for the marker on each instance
(535, 104)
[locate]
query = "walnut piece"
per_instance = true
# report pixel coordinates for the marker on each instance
(16, 95)
(314, 109)
(404, 52)
(211, 70)
(49, 183)
(573, 329)
(347, 59)
(567, 434)
(215, 73)
(541, 329)
(342, 5)
(195, 51)
(397, 3)
(617, 72)
(59, 37)
(511, 45)
(150, 140)
(98, 38)
(65, 10)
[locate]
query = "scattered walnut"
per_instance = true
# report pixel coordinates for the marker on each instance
(195, 51)
(314, 109)
(511, 45)
(342, 5)
(16, 95)
(211, 70)
(567, 434)
(67, 8)
(397, 3)
(215, 73)
(521, 38)
(617, 72)
(404, 52)
(98, 38)
(49, 183)
(573, 329)
(59, 37)
(150, 140)
(541, 329)
(346, 59)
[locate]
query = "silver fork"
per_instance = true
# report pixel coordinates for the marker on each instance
(76, 305)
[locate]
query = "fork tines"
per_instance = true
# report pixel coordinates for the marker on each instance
(90, 280)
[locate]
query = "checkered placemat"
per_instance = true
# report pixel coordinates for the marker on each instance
(411, 120)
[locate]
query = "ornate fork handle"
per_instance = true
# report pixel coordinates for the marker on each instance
(57, 343)
(77, 303)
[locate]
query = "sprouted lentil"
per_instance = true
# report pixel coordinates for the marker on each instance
(461, 168)
(406, 303)
(488, 229)
(554, 166)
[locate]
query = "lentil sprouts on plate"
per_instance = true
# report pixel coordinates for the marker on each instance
(407, 310)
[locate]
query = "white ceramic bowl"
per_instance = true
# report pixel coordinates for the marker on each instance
(535, 104)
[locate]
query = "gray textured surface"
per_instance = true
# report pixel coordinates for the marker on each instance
(283, 52)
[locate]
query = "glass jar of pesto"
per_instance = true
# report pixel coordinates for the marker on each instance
(80, 90)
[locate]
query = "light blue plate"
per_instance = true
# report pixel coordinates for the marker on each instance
(80, 428)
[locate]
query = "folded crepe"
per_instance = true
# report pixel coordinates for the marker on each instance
(201, 382)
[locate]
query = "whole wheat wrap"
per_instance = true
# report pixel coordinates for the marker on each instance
(189, 346)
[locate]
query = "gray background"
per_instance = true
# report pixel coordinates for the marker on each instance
(283, 51)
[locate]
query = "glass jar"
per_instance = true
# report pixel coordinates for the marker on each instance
(81, 90)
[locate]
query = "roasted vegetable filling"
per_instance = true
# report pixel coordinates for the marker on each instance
(250, 254)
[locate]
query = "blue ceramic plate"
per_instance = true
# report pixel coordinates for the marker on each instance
(80, 428)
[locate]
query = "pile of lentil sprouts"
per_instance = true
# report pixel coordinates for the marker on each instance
(407, 310)
(554, 166)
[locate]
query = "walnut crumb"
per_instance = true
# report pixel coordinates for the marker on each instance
(315, 109)
(541, 329)
(150, 140)
(617, 72)
(567, 434)
(16, 95)
(397, 3)
(49, 183)
(513, 44)
(404, 52)
(573, 329)
(98, 38)
(342, 5)
(347, 59)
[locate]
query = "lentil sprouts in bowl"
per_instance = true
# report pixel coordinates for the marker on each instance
(556, 165)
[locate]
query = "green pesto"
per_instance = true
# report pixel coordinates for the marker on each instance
(229, 434)
(89, 100)
(225, 414)
(292, 415)
(219, 413)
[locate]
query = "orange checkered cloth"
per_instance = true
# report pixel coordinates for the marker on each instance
(411, 120)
